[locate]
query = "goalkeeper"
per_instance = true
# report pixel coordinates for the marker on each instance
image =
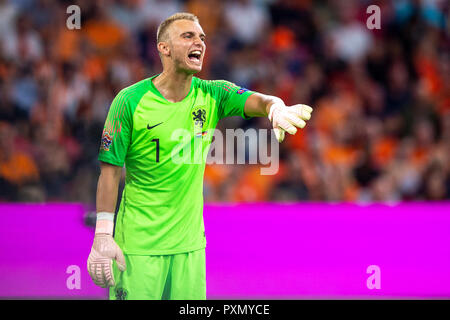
(158, 247)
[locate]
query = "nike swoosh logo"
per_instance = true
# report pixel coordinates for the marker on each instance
(148, 127)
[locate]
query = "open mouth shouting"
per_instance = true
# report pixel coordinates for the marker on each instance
(195, 56)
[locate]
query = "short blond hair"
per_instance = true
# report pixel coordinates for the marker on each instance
(161, 34)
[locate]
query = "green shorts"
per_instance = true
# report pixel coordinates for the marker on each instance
(168, 277)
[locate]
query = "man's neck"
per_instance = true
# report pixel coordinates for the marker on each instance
(173, 86)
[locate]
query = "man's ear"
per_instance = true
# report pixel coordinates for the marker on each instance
(163, 48)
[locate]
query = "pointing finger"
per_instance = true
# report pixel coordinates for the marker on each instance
(296, 121)
(302, 110)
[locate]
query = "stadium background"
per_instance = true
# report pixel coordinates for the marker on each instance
(380, 130)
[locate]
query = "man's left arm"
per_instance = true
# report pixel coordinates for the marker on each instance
(283, 118)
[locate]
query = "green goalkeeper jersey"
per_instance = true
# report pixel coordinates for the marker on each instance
(164, 146)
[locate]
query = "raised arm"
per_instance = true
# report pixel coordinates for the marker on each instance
(258, 104)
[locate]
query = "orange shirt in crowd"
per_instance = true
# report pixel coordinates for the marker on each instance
(104, 34)
(215, 174)
(340, 155)
(384, 151)
(208, 12)
(252, 185)
(19, 169)
(67, 44)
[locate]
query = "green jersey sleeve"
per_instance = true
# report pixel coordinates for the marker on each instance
(231, 98)
(116, 134)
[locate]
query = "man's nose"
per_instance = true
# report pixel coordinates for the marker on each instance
(198, 41)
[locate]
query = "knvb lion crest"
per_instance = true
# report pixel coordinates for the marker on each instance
(121, 294)
(199, 116)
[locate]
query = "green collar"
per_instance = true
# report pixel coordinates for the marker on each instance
(156, 92)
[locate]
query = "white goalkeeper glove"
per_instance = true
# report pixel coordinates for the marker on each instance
(104, 249)
(285, 118)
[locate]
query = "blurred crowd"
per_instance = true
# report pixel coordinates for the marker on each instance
(380, 130)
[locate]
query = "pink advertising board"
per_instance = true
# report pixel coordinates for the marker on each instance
(254, 251)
